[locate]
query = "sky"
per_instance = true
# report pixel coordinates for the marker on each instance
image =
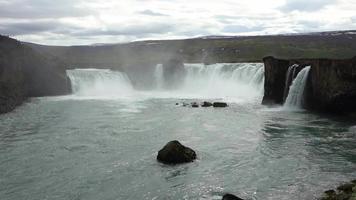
(80, 22)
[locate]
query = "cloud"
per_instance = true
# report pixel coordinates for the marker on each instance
(30, 27)
(136, 30)
(305, 5)
(241, 28)
(95, 21)
(43, 9)
(152, 13)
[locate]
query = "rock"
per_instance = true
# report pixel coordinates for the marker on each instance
(195, 105)
(177, 104)
(219, 104)
(174, 153)
(346, 187)
(206, 104)
(231, 197)
(344, 192)
(173, 73)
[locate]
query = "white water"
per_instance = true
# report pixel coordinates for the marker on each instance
(225, 80)
(230, 82)
(296, 92)
(159, 76)
(99, 83)
(289, 78)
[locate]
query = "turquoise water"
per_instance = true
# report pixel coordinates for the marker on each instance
(86, 148)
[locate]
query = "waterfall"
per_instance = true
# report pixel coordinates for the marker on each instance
(99, 82)
(228, 81)
(224, 80)
(296, 92)
(289, 78)
(158, 75)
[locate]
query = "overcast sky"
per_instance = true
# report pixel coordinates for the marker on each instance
(73, 22)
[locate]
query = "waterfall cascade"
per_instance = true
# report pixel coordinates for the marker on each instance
(295, 96)
(291, 74)
(235, 81)
(203, 75)
(99, 82)
(158, 75)
(220, 80)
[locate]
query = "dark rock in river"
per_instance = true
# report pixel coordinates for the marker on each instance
(195, 105)
(174, 153)
(25, 73)
(185, 104)
(230, 197)
(331, 85)
(206, 104)
(219, 104)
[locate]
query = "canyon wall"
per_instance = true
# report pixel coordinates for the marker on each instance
(331, 84)
(25, 73)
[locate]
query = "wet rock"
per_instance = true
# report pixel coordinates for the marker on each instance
(206, 104)
(195, 105)
(173, 73)
(219, 104)
(346, 187)
(185, 104)
(174, 153)
(231, 197)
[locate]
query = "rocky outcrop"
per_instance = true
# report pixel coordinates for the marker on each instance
(206, 104)
(25, 73)
(173, 73)
(331, 84)
(174, 153)
(219, 104)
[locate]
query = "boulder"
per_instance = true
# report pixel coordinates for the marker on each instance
(195, 105)
(219, 104)
(175, 153)
(206, 104)
(231, 197)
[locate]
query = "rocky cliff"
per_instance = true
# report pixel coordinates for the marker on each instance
(25, 73)
(331, 84)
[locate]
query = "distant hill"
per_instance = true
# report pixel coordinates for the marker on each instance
(209, 49)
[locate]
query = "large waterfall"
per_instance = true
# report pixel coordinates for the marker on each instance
(297, 89)
(228, 81)
(223, 80)
(99, 82)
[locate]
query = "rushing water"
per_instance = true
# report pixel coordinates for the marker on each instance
(92, 145)
(297, 90)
